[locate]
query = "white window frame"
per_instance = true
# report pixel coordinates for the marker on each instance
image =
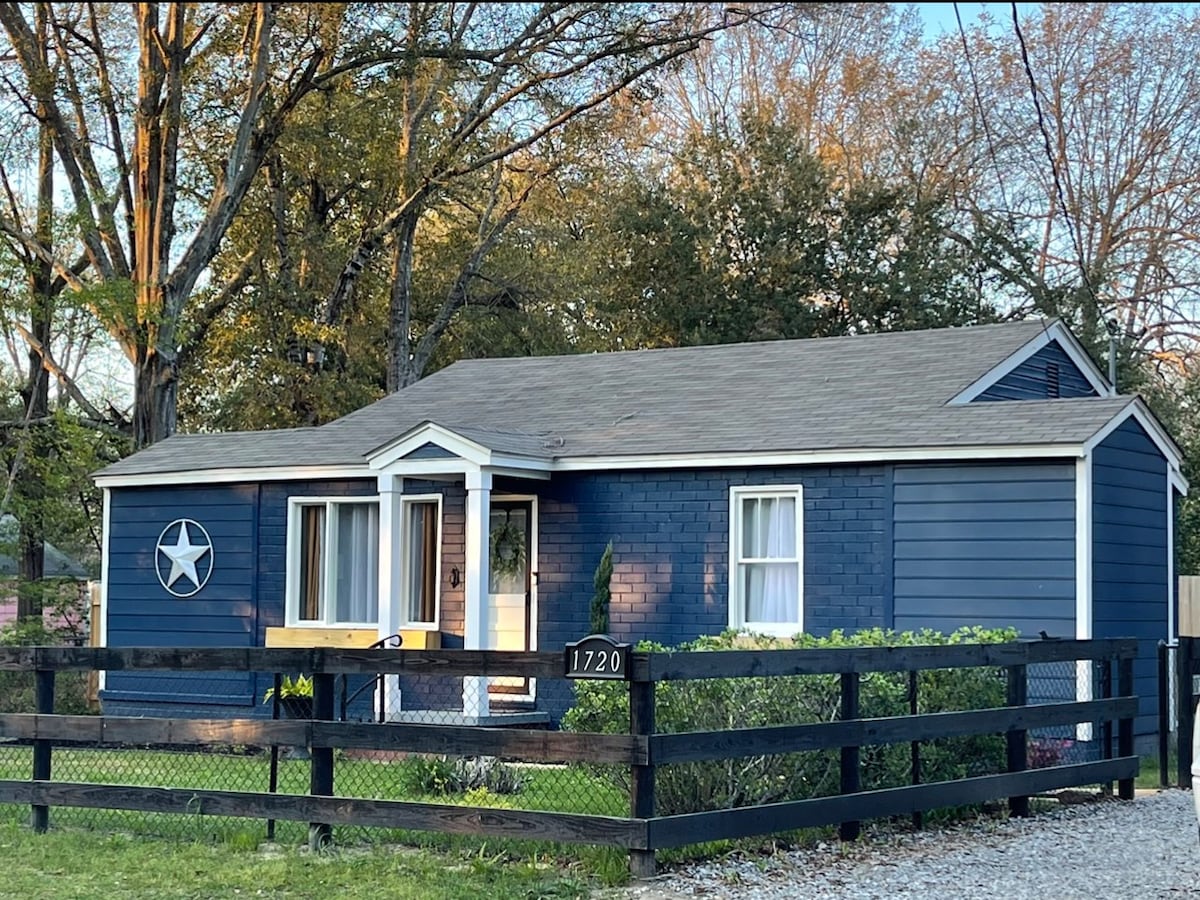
(294, 527)
(737, 604)
(406, 501)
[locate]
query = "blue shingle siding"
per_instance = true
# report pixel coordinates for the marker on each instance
(1038, 376)
(670, 533)
(990, 545)
(1129, 547)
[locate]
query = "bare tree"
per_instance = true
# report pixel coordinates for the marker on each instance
(506, 78)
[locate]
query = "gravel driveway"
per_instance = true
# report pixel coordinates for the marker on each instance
(1096, 850)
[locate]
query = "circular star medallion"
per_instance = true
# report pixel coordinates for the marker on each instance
(183, 558)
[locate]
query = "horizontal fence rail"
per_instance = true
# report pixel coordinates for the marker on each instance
(1105, 710)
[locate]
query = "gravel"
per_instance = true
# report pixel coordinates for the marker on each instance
(1096, 850)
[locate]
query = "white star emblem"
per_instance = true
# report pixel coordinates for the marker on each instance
(184, 555)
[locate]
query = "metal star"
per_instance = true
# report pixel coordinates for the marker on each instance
(183, 556)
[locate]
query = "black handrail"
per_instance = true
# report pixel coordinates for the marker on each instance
(377, 681)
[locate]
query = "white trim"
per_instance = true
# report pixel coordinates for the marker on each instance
(1055, 332)
(1083, 583)
(422, 468)
(291, 595)
(815, 457)
(106, 538)
(431, 468)
(1177, 481)
(427, 433)
(467, 453)
(390, 489)
(1138, 411)
(241, 473)
(1172, 587)
(531, 557)
(475, 584)
(408, 624)
(741, 492)
(1083, 549)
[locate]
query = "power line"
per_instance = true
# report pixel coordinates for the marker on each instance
(987, 131)
(1076, 238)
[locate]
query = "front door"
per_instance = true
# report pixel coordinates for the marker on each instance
(510, 607)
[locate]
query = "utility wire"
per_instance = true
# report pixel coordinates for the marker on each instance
(987, 131)
(1076, 239)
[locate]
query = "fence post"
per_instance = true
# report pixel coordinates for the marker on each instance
(1016, 754)
(918, 817)
(44, 698)
(1125, 726)
(641, 782)
(1106, 725)
(1185, 711)
(320, 835)
(851, 775)
(273, 770)
(1164, 715)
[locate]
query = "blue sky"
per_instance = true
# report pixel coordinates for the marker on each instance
(939, 17)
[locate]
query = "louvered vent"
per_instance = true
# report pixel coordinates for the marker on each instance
(1052, 385)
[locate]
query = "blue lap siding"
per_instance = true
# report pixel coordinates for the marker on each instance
(247, 524)
(1129, 541)
(990, 545)
(1047, 374)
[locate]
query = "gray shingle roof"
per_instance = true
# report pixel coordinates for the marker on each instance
(878, 391)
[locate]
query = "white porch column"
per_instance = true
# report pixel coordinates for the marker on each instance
(391, 488)
(475, 586)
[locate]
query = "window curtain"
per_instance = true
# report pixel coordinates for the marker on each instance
(357, 563)
(769, 532)
(422, 562)
(312, 562)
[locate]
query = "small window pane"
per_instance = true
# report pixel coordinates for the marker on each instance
(749, 527)
(312, 563)
(356, 572)
(422, 563)
(771, 592)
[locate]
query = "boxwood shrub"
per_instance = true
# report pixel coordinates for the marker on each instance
(730, 703)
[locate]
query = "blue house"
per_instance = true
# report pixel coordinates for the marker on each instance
(972, 476)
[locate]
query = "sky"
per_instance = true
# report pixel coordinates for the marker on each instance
(939, 17)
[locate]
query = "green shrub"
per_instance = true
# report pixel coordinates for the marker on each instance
(440, 775)
(729, 703)
(17, 693)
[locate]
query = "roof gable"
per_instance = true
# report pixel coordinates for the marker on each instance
(1008, 379)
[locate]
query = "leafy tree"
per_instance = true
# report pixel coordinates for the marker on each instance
(751, 237)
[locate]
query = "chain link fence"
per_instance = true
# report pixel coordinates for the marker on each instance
(453, 776)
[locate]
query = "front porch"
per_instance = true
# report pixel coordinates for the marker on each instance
(457, 566)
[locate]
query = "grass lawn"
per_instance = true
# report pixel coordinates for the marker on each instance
(79, 864)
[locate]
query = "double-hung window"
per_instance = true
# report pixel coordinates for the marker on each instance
(333, 561)
(422, 558)
(766, 559)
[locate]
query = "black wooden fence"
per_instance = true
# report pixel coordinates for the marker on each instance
(642, 750)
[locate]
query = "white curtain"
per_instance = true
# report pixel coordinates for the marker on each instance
(769, 532)
(357, 563)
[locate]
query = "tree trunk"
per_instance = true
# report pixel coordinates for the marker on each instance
(155, 393)
(399, 363)
(31, 491)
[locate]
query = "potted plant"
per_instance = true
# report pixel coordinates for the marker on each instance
(295, 697)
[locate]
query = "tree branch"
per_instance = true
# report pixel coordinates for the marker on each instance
(64, 380)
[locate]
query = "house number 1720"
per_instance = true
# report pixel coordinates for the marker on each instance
(597, 656)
